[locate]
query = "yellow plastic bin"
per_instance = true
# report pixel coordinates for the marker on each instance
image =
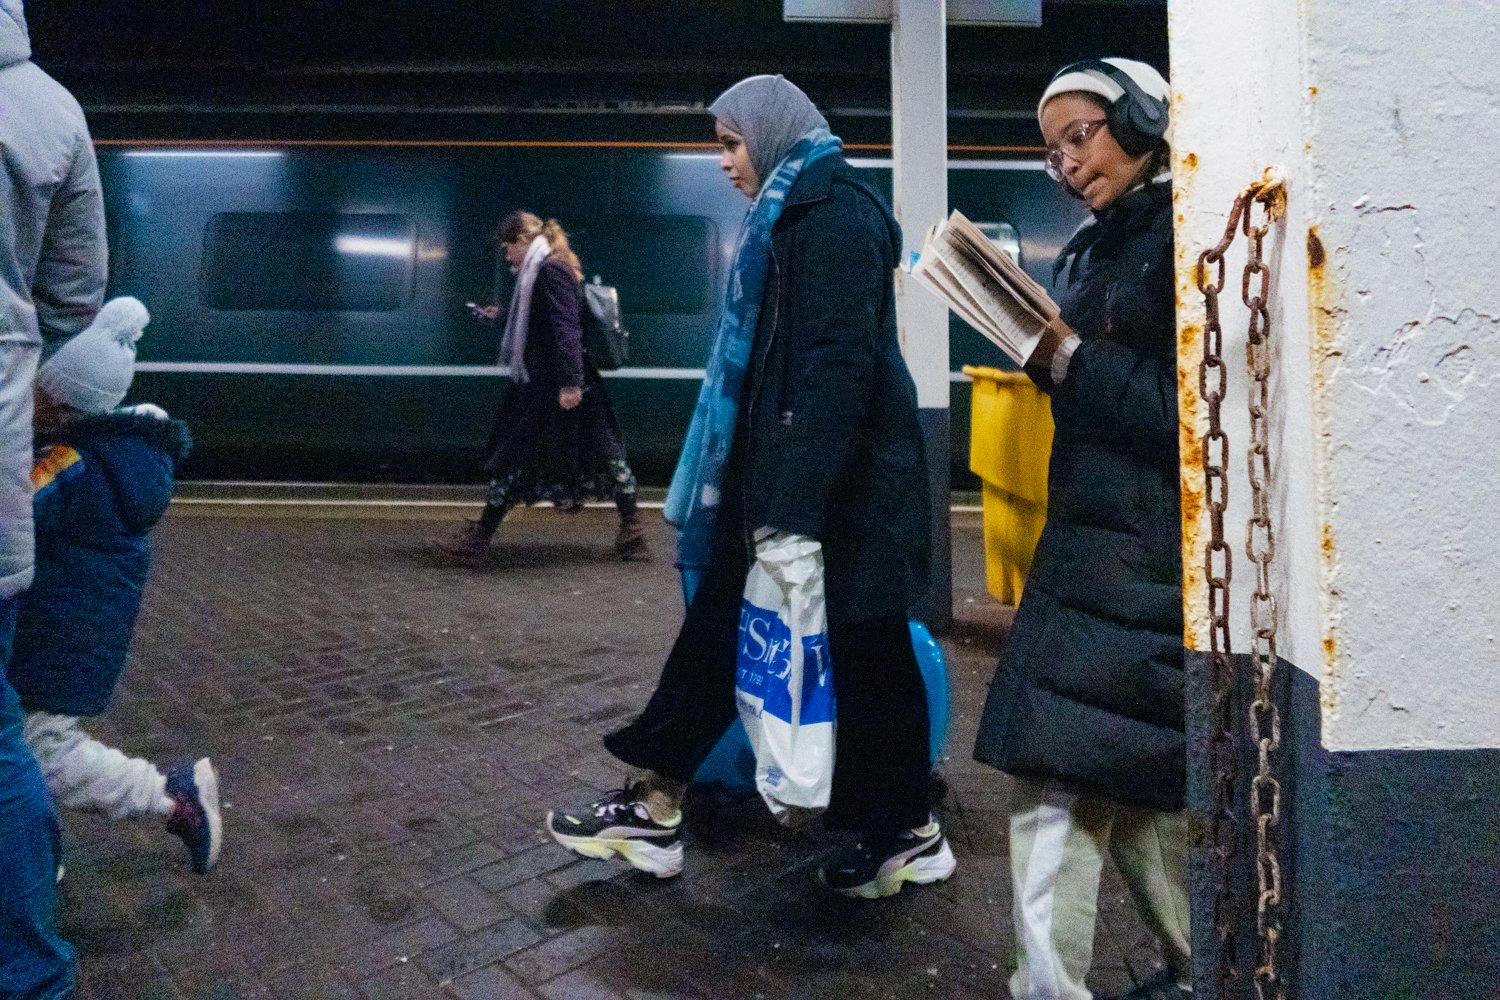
(1010, 440)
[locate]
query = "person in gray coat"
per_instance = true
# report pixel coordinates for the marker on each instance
(52, 274)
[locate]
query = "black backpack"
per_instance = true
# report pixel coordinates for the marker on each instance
(605, 339)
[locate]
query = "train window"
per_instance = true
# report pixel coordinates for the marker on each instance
(1004, 236)
(308, 261)
(660, 263)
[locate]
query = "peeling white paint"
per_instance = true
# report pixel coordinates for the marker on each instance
(1241, 108)
(1387, 553)
(1406, 126)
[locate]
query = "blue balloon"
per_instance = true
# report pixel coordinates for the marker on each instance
(731, 764)
(935, 677)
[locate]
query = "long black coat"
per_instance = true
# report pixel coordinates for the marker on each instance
(829, 430)
(548, 452)
(1089, 689)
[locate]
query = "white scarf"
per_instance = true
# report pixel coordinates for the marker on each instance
(513, 344)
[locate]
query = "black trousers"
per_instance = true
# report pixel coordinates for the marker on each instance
(881, 764)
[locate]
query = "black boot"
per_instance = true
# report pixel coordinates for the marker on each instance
(630, 542)
(469, 545)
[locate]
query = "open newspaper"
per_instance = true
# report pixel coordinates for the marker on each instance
(987, 290)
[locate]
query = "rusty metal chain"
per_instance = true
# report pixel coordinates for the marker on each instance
(1223, 828)
(1260, 547)
(1264, 719)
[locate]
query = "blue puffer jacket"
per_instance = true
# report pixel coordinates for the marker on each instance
(101, 484)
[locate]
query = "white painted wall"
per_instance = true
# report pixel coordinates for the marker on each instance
(1386, 120)
(1407, 124)
(1238, 109)
(919, 182)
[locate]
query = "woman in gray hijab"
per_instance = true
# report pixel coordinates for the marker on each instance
(770, 114)
(806, 428)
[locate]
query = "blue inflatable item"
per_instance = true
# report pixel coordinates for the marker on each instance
(935, 677)
(731, 764)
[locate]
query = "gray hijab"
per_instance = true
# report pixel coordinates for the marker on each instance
(772, 113)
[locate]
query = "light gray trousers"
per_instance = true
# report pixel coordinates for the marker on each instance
(1058, 842)
(83, 773)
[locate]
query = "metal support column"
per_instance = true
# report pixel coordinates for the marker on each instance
(919, 130)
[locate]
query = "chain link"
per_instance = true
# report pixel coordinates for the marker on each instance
(1260, 548)
(1223, 828)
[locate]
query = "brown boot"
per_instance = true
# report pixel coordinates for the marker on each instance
(630, 543)
(469, 544)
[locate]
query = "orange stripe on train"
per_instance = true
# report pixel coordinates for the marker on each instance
(50, 463)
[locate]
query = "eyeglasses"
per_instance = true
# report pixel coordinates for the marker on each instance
(1071, 146)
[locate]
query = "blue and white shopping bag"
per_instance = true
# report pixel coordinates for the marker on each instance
(785, 677)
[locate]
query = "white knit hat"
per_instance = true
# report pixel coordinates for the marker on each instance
(1093, 81)
(92, 372)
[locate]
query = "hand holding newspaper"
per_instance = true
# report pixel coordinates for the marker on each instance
(987, 290)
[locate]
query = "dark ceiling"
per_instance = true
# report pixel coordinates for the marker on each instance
(555, 69)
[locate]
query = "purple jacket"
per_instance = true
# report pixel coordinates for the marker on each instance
(554, 340)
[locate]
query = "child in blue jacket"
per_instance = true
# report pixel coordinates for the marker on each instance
(103, 477)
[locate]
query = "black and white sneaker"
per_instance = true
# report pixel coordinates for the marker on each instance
(619, 824)
(877, 865)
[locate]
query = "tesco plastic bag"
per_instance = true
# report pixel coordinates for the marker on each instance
(784, 685)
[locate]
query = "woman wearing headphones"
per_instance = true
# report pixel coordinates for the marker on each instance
(1086, 709)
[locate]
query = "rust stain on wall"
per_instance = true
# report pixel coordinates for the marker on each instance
(1192, 420)
(1324, 329)
(1190, 464)
(1328, 689)
(1315, 254)
(1322, 323)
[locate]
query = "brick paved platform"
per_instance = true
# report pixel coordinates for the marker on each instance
(391, 731)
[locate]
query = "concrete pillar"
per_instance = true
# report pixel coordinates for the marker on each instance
(1386, 327)
(919, 127)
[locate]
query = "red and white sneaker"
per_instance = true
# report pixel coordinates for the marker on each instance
(195, 812)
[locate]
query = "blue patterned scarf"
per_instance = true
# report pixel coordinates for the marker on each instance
(693, 500)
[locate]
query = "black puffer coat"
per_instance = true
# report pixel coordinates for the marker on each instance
(1089, 689)
(829, 415)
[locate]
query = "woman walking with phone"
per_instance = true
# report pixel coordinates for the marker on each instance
(556, 437)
